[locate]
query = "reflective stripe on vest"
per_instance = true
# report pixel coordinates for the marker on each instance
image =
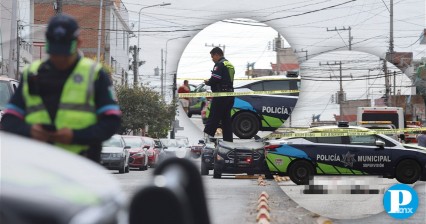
(230, 67)
(76, 106)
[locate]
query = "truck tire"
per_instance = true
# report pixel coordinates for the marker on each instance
(300, 172)
(245, 125)
(204, 169)
(217, 174)
(407, 171)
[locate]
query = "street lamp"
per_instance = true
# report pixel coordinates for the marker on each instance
(165, 63)
(139, 27)
(139, 14)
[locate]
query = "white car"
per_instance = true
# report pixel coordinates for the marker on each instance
(115, 154)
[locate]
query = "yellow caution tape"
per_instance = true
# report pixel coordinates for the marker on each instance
(222, 94)
(345, 132)
(319, 134)
(386, 131)
(375, 122)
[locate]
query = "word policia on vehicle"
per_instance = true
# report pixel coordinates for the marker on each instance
(260, 105)
(303, 157)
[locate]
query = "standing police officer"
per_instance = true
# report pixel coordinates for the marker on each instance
(221, 80)
(66, 100)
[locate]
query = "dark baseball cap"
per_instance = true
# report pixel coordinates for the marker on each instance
(61, 35)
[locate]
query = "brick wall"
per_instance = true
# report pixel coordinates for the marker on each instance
(87, 17)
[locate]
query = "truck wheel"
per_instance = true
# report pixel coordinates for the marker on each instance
(216, 174)
(300, 172)
(407, 171)
(204, 169)
(245, 125)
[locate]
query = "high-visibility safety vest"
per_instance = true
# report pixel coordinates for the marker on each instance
(76, 105)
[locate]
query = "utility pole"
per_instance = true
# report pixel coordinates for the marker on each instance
(135, 52)
(340, 93)
(212, 45)
(394, 83)
(350, 37)
(391, 28)
(306, 53)
(13, 23)
(18, 49)
(277, 48)
(172, 132)
(98, 55)
(59, 6)
(387, 82)
(162, 75)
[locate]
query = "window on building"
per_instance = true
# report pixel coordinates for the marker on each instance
(124, 40)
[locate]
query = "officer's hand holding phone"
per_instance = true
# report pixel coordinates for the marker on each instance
(63, 135)
(39, 133)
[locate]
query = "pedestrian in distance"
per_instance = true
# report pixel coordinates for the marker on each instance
(221, 80)
(184, 101)
(421, 139)
(66, 100)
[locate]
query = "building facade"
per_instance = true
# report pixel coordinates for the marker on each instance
(115, 31)
(15, 21)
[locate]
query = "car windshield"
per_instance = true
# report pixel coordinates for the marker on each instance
(181, 143)
(114, 141)
(169, 142)
(4, 94)
(133, 142)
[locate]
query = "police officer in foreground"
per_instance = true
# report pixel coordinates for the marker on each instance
(67, 100)
(221, 80)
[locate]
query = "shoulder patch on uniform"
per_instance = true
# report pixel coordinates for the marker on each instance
(112, 93)
(78, 78)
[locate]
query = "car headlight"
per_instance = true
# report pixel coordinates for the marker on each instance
(139, 154)
(150, 153)
(118, 155)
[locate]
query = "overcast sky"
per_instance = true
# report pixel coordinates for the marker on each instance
(303, 24)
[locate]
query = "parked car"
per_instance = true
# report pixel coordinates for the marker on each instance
(138, 155)
(365, 154)
(7, 88)
(174, 147)
(151, 151)
(196, 104)
(204, 111)
(207, 160)
(196, 150)
(160, 147)
(184, 150)
(115, 154)
(241, 157)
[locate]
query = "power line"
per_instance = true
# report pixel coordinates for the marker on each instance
(308, 12)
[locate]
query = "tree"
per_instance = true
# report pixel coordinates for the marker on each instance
(141, 107)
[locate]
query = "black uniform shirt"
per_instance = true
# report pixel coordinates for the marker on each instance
(220, 77)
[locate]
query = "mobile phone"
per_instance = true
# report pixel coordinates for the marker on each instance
(49, 127)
